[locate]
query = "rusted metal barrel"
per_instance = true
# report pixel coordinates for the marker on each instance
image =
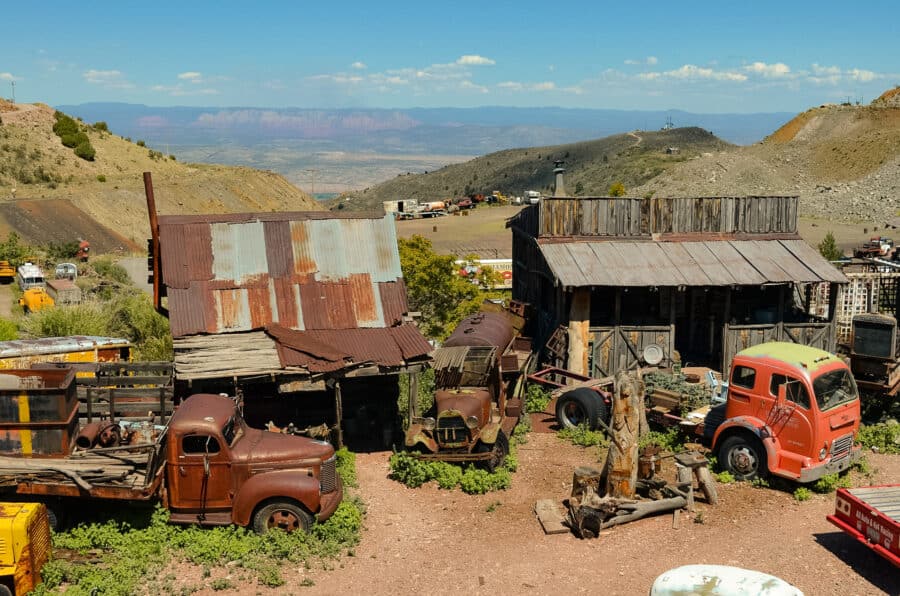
(482, 329)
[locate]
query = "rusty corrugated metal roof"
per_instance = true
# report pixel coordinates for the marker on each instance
(328, 350)
(301, 270)
(707, 263)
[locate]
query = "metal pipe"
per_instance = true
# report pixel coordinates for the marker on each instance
(87, 437)
(154, 239)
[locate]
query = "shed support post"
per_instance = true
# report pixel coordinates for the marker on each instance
(413, 405)
(338, 415)
(579, 336)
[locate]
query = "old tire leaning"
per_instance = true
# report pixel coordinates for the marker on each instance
(744, 457)
(580, 406)
(285, 515)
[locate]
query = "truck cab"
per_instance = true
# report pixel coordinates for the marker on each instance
(220, 471)
(791, 411)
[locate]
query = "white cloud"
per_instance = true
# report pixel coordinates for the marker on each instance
(470, 86)
(190, 76)
(511, 85)
(545, 86)
(825, 70)
(692, 72)
(769, 71)
(110, 79)
(180, 91)
(359, 65)
(863, 76)
(275, 85)
(474, 60)
(649, 61)
(6, 76)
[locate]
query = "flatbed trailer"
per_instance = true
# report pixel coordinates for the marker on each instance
(871, 514)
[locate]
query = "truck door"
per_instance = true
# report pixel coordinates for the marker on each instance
(792, 425)
(200, 480)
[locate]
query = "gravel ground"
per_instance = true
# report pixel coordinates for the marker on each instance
(430, 541)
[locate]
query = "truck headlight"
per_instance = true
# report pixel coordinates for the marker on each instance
(822, 453)
(472, 422)
(428, 423)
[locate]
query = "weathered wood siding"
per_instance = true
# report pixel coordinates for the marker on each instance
(623, 217)
(621, 347)
(740, 337)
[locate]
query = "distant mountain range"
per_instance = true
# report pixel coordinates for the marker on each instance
(419, 131)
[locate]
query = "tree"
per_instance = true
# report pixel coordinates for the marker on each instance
(617, 190)
(579, 188)
(434, 288)
(85, 151)
(828, 248)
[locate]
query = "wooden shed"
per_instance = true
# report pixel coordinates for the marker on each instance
(625, 281)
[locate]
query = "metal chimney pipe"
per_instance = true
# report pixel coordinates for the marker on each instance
(560, 190)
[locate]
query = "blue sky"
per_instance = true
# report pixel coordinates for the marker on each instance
(721, 56)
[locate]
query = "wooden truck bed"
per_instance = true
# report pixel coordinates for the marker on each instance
(131, 473)
(871, 515)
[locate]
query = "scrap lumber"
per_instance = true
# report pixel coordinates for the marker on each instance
(551, 518)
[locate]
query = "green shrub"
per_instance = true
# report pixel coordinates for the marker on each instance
(583, 436)
(536, 398)
(8, 330)
(802, 494)
(831, 482)
(62, 252)
(882, 437)
(667, 441)
(85, 151)
(520, 432)
(64, 125)
(141, 143)
(101, 178)
(101, 126)
(346, 467)
(110, 270)
(414, 472)
(725, 477)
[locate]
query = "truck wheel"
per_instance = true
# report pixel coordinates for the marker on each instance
(56, 517)
(285, 515)
(5, 591)
(580, 406)
(499, 450)
(743, 457)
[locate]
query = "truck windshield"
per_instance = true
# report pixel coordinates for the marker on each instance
(834, 388)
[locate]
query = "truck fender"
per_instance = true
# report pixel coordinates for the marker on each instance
(297, 485)
(757, 428)
(416, 435)
(488, 434)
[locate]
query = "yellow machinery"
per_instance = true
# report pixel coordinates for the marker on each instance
(24, 546)
(7, 272)
(34, 299)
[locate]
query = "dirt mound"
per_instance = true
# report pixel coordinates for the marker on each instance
(59, 221)
(34, 165)
(888, 99)
(843, 161)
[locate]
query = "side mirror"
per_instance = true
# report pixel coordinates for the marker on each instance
(781, 400)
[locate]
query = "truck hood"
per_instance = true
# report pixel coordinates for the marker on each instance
(468, 402)
(843, 418)
(261, 446)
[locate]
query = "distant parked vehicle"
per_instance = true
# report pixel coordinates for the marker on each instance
(465, 203)
(533, 197)
(29, 276)
(7, 272)
(67, 271)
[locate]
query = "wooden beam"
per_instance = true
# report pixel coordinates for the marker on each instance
(579, 331)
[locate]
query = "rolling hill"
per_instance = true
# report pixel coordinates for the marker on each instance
(592, 166)
(843, 161)
(36, 167)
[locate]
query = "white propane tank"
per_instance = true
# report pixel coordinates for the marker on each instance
(720, 580)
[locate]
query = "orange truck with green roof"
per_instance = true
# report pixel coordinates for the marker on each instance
(791, 411)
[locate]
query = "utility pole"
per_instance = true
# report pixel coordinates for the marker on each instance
(13, 85)
(312, 190)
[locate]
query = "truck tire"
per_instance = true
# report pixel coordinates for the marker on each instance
(581, 406)
(743, 456)
(499, 450)
(285, 515)
(5, 591)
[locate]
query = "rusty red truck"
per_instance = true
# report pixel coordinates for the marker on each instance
(206, 466)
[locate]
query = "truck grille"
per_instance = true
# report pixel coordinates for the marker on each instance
(328, 475)
(452, 430)
(841, 446)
